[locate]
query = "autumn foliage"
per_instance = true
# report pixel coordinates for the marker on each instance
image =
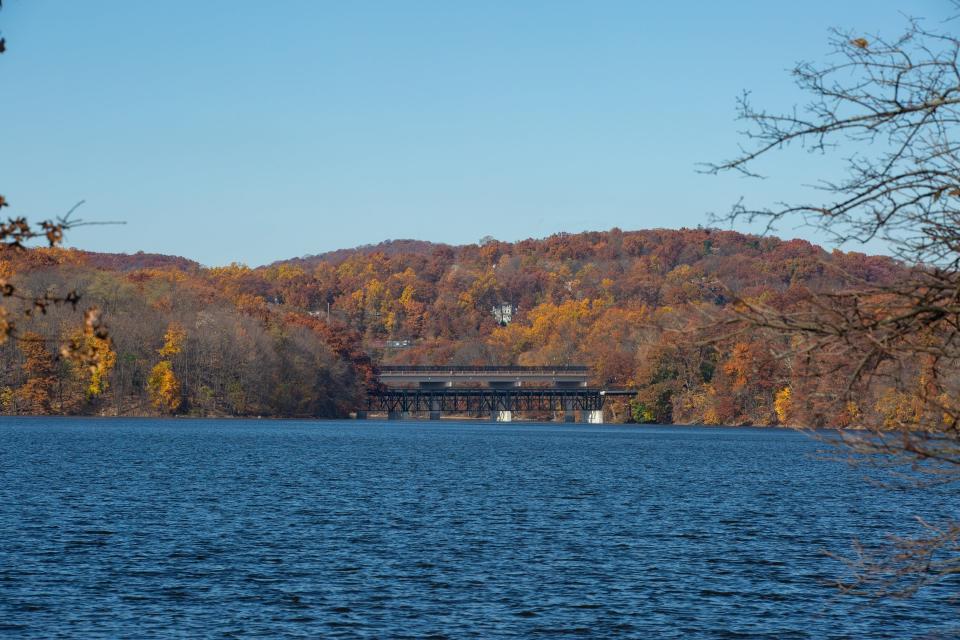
(303, 337)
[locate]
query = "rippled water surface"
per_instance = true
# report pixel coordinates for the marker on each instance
(153, 528)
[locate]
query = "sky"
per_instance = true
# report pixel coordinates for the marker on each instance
(251, 132)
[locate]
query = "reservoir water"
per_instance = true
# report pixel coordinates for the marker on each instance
(204, 528)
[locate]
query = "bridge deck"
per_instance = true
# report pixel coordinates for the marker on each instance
(414, 374)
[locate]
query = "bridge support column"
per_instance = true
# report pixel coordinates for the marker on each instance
(361, 415)
(434, 409)
(395, 415)
(592, 417)
(568, 413)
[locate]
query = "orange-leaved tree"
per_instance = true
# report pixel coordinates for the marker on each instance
(36, 395)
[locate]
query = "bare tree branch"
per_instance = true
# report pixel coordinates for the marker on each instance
(888, 355)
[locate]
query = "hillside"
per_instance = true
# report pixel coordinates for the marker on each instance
(295, 337)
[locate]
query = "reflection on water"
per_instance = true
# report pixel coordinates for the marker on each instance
(337, 529)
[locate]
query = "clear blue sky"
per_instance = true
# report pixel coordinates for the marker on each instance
(254, 131)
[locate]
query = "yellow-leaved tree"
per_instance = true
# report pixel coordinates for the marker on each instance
(164, 388)
(782, 404)
(99, 356)
(173, 340)
(162, 385)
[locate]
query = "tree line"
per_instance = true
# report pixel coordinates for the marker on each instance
(300, 337)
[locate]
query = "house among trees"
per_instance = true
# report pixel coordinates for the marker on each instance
(503, 313)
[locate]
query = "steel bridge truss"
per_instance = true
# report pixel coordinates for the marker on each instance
(479, 401)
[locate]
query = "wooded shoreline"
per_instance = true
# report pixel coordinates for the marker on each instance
(304, 337)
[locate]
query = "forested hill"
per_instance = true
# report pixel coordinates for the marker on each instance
(296, 337)
(387, 248)
(139, 260)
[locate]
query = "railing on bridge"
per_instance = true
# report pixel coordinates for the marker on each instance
(445, 375)
(431, 368)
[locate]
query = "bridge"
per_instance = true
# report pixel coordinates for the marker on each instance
(488, 391)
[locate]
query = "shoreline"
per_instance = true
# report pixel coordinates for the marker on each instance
(383, 419)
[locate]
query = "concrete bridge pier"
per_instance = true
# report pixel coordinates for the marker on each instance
(568, 413)
(361, 415)
(397, 415)
(592, 417)
(434, 409)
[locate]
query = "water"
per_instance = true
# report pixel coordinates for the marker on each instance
(160, 528)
